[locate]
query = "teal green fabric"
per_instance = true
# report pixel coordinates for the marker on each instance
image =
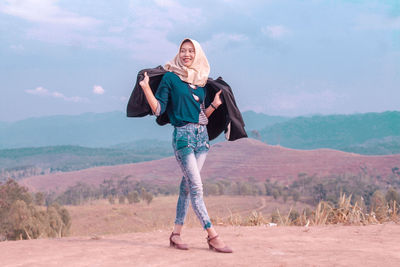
(175, 98)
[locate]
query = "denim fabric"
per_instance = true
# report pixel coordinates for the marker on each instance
(191, 144)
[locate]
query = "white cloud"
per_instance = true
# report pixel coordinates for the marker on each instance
(53, 24)
(46, 11)
(44, 92)
(98, 90)
(143, 33)
(57, 95)
(38, 91)
(275, 31)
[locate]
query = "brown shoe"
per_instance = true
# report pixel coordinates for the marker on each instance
(175, 245)
(225, 249)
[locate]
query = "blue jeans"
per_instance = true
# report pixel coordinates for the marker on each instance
(191, 144)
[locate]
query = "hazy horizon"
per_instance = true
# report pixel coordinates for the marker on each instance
(92, 112)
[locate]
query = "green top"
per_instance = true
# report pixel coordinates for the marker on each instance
(175, 97)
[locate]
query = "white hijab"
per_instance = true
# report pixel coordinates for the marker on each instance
(197, 73)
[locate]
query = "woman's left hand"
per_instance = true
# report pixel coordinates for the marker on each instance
(217, 99)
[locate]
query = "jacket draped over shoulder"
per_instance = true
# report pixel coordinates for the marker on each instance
(227, 118)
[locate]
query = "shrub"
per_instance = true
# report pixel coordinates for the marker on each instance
(133, 197)
(39, 199)
(20, 219)
(111, 199)
(121, 200)
(275, 194)
(378, 206)
(295, 196)
(392, 197)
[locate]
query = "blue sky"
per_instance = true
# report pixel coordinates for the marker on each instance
(280, 57)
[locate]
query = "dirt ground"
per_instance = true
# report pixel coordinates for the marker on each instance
(374, 245)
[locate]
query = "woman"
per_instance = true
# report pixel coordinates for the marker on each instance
(181, 94)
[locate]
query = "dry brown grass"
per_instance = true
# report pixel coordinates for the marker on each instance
(101, 217)
(344, 213)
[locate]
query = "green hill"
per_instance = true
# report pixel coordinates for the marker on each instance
(384, 146)
(342, 132)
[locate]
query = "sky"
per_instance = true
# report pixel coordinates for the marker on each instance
(281, 57)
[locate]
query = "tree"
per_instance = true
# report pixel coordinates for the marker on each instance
(39, 199)
(275, 194)
(245, 189)
(268, 189)
(10, 192)
(19, 218)
(210, 189)
(111, 199)
(319, 193)
(55, 222)
(255, 134)
(392, 197)
(133, 197)
(121, 200)
(285, 196)
(378, 205)
(221, 188)
(149, 198)
(295, 196)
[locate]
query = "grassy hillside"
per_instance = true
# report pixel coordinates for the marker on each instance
(23, 162)
(342, 132)
(243, 160)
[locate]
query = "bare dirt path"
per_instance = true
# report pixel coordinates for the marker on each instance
(375, 245)
(263, 204)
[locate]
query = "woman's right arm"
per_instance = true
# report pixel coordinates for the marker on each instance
(151, 99)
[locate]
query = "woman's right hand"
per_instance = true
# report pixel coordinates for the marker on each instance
(145, 82)
(153, 102)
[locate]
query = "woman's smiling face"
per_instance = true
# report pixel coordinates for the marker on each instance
(187, 53)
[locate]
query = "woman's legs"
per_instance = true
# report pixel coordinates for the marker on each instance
(183, 200)
(191, 146)
(192, 187)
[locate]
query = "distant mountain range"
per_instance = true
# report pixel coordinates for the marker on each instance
(369, 133)
(88, 129)
(97, 129)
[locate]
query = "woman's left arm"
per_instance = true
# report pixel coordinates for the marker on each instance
(215, 104)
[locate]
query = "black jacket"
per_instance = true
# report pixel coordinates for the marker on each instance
(226, 118)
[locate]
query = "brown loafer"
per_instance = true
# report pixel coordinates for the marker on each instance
(175, 245)
(225, 249)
